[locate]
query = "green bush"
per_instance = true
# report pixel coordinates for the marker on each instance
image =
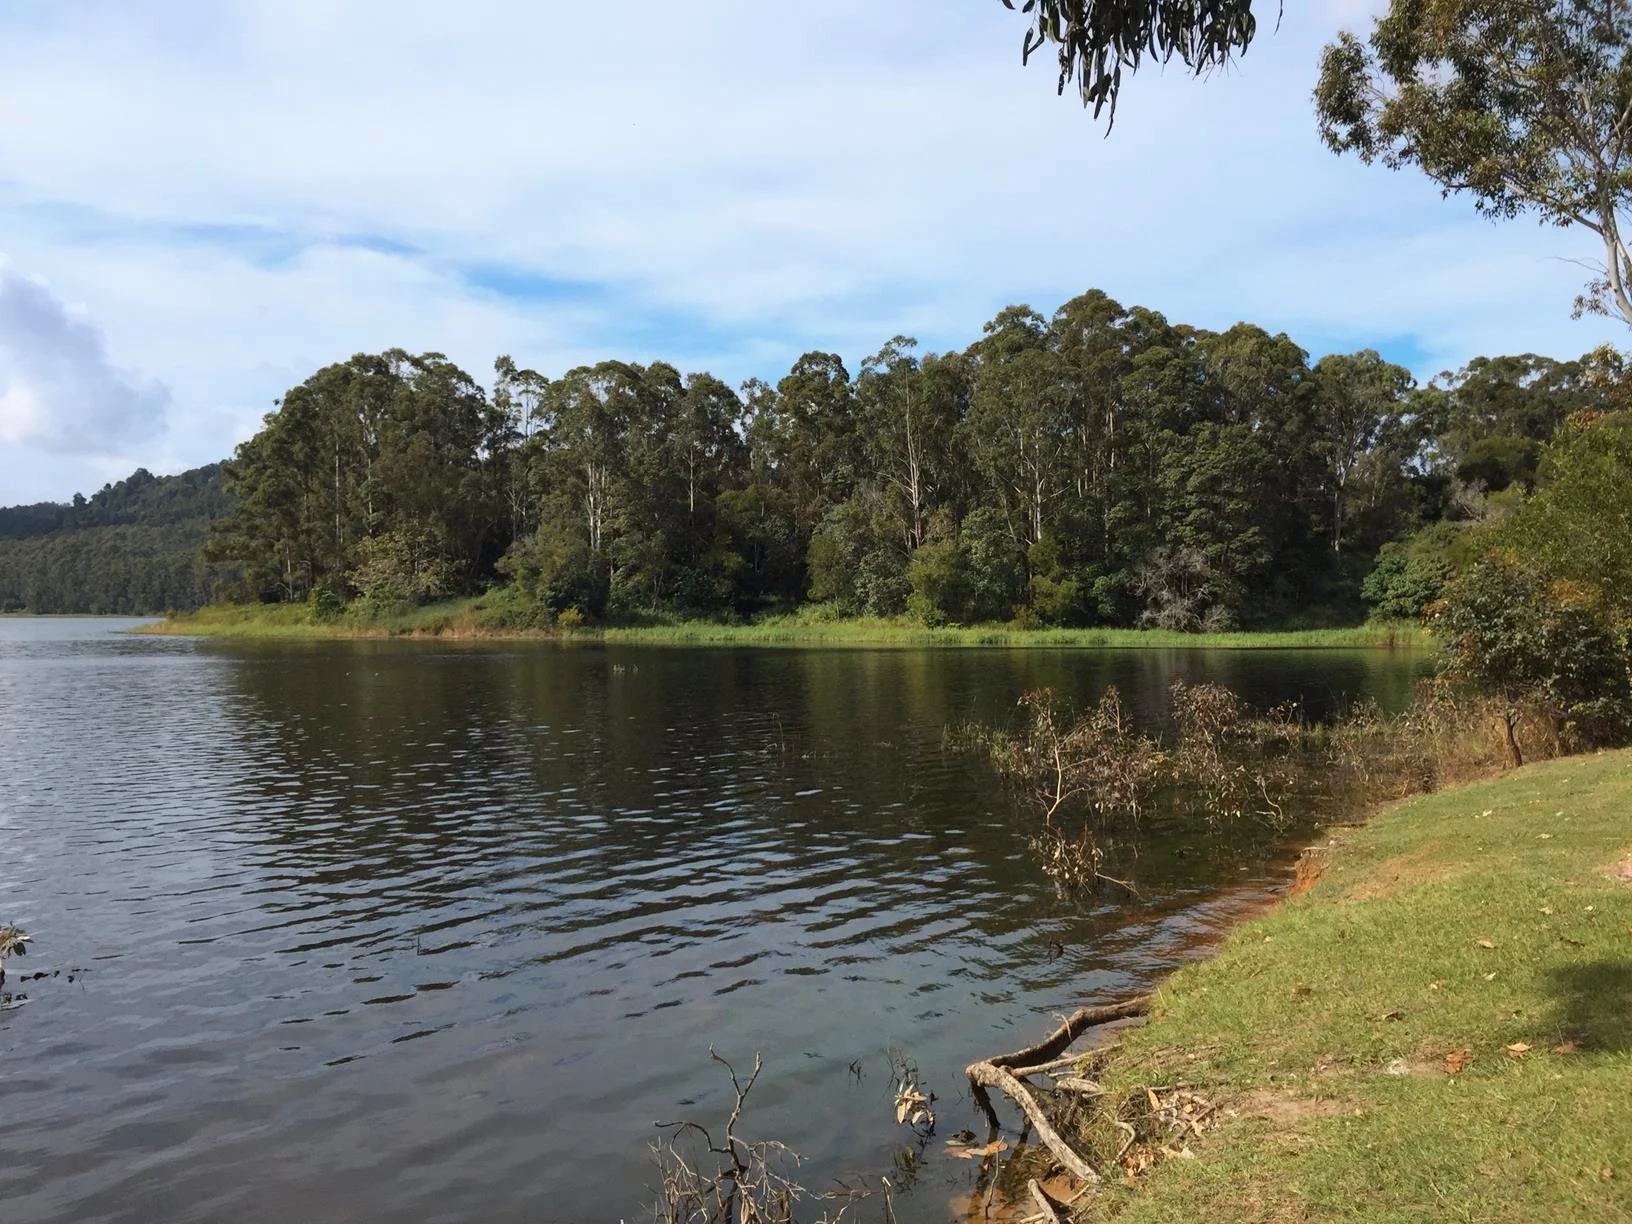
(939, 576)
(1410, 574)
(1509, 632)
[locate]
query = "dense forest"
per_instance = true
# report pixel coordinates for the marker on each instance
(1101, 467)
(134, 547)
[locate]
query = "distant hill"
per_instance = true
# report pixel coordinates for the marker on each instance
(134, 547)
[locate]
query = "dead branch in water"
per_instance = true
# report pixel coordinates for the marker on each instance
(983, 1075)
(1076, 1024)
(1006, 1071)
(746, 1185)
(1044, 1204)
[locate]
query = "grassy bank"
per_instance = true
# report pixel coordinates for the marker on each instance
(498, 616)
(1441, 1028)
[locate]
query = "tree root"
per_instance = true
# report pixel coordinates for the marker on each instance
(983, 1075)
(1007, 1070)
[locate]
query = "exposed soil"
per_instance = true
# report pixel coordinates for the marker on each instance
(1400, 873)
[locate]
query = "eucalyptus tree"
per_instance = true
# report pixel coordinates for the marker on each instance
(1494, 415)
(1363, 406)
(520, 396)
(706, 441)
(1017, 431)
(591, 409)
(383, 456)
(907, 412)
(1096, 350)
(1523, 105)
(1095, 40)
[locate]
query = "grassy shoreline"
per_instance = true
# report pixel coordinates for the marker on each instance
(491, 618)
(1440, 1028)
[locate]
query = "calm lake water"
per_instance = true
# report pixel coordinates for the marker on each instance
(422, 931)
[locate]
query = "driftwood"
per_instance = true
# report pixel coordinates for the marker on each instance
(1006, 1070)
(983, 1075)
(1078, 1023)
(1074, 1083)
(1050, 1216)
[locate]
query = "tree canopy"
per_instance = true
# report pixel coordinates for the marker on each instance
(1099, 465)
(1524, 105)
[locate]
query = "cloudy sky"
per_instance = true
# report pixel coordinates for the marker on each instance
(202, 201)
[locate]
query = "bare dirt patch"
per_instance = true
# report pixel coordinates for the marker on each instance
(1400, 874)
(1284, 1109)
(1622, 870)
(1310, 867)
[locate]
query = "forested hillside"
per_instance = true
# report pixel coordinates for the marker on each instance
(134, 547)
(1103, 466)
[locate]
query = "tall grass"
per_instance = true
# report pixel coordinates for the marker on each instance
(500, 614)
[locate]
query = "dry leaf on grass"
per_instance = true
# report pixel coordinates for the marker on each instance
(1456, 1060)
(1485, 943)
(1517, 1049)
(1565, 1047)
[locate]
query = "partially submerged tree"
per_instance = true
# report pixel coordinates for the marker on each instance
(1526, 105)
(1094, 40)
(13, 942)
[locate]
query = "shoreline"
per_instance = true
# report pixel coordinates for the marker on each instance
(474, 620)
(1463, 954)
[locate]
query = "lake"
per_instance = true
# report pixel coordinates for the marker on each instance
(370, 931)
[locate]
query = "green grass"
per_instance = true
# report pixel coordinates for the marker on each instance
(1384, 964)
(499, 615)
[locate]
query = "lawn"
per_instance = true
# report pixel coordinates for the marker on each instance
(1440, 1029)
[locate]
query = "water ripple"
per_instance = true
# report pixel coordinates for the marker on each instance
(378, 931)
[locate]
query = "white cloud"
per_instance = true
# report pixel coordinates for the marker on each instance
(247, 189)
(58, 390)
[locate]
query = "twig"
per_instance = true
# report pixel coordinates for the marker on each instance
(1087, 1087)
(1133, 1137)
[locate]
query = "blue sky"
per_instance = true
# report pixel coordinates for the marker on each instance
(201, 202)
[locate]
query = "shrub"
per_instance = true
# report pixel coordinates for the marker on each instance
(1410, 575)
(939, 576)
(325, 604)
(1511, 634)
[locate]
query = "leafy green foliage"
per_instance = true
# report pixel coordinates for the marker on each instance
(1578, 526)
(1102, 466)
(1521, 105)
(1097, 39)
(1411, 574)
(1509, 632)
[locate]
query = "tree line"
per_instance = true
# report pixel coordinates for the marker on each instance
(133, 547)
(1099, 466)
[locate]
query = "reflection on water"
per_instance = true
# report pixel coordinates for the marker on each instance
(381, 931)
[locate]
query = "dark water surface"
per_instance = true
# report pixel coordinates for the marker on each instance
(419, 931)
